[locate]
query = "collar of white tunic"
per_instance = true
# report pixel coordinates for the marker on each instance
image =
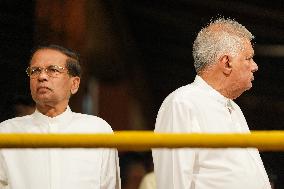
(61, 119)
(212, 92)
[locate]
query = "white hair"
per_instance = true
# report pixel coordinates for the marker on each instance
(219, 37)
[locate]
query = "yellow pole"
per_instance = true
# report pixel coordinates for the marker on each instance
(145, 140)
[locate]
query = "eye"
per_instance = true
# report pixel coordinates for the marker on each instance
(53, 69)
(249, 58)
(35, 71)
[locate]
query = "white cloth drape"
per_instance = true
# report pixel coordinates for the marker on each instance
(198, 108)
(58, 168)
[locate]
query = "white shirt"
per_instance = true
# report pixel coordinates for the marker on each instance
(58, 168)
(198, 108)
(148, 181)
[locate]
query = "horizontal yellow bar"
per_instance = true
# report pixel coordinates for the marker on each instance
(145, 140)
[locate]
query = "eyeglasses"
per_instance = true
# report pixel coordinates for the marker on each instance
(51, 71)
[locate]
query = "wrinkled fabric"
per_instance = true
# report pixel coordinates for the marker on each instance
(198, 108)
(58, 168)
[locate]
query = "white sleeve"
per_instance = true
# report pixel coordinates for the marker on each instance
(3, 176)
(174, 167)
(110, 174)
(148, 181)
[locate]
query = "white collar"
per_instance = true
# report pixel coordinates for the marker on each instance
(212, 92)
(60, 119)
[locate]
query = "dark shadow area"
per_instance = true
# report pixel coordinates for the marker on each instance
(16, 36)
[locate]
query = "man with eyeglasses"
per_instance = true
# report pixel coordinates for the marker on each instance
(54, 76)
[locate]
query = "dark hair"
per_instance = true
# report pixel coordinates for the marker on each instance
(72, 62)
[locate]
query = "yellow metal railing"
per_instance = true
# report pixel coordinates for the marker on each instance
(145, 140)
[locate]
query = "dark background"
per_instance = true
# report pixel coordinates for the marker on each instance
(155, 43)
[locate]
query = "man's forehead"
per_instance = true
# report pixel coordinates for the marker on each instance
(48, 55)
(52, 52)
(249, 47)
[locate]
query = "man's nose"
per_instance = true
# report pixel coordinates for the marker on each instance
(254, 66)
(43, 75)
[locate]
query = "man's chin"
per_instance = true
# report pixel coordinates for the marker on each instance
(43, 98)
(249, 86)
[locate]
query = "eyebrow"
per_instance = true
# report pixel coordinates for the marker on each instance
(47, 66)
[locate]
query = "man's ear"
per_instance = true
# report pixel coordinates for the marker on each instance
(225, 64)
(75, 85)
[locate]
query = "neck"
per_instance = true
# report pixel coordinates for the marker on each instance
(218, 82)
(50, 110)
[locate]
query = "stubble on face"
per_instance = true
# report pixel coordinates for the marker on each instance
(243, 68)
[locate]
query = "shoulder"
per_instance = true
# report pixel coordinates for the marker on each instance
(185, 95)
(97, 123)
(15, 123)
